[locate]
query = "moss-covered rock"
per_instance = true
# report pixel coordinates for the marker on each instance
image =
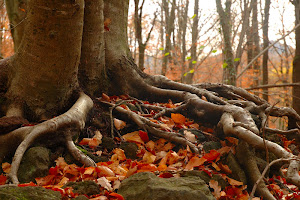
(35, 163)
(145, 185)
(28, 193)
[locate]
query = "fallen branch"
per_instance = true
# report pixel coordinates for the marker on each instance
(274, 86)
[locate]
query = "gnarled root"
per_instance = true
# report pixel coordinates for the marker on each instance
(75, 116)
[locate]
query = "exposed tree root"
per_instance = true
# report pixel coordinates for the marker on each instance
(247, 159)
(74, 117)
(229, 107)
(153, 128)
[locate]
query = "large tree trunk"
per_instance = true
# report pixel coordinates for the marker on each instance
(92, 72)
(16, 11)
(43, 74)
(296, 62)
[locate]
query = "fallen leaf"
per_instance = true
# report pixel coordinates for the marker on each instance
(234, 182)
(195, 162)
(6, 167)
(189, 136)
(212, 155)
(103, 182)
(217, 189)
(118, 196)
(133, 137)
(104, 171)
(119, 124)
(178, 118)
(144, 136)
(2, 179)
(149, 157)
(120, 154)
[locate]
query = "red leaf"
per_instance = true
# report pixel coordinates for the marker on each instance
(118, 196)
(212, 155)
(166, 175)
(2, 179)
(26, 184)
(144, 136)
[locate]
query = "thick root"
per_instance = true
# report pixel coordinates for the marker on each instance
(75, 116)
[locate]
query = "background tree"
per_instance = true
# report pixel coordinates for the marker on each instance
(265, 71)
(195, 33)
(16, 11)
(138, 14)
(169, 14)
(296, 62)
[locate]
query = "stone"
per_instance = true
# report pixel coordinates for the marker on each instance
(35, 163)
(84, 187)
(28, 193)
(146, 185)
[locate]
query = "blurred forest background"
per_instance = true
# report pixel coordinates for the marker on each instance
(197, 41)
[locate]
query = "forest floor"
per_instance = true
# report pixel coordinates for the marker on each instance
(116, 161)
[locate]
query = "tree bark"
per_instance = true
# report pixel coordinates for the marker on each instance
(16, 11)
(229, 70)
(169, 22)
(266, 44)
(190, 75)
(92, 72)
(43, 74)
(296, 62)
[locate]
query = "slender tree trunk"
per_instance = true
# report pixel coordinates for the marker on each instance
(43, 73)
(16, 11)
(296, 62)
(169, 20)
(256, 47)
(183, 44)
(229, 70)
(266, 44)
(190, 75)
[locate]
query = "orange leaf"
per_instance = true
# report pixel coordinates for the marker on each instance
(212, 155)
(6, 167)
(225, 168)
(105, 97)
(234, 182)
(149, 157)
(47, 180)
(93, 143)
(85, 141)
(120, 153)
(178, 118)
(195, 162)
(89, 170)
(133, 137)
(119, 124)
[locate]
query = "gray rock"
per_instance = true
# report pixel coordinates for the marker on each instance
(145, 186)
(28, 193)
(35, 163)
